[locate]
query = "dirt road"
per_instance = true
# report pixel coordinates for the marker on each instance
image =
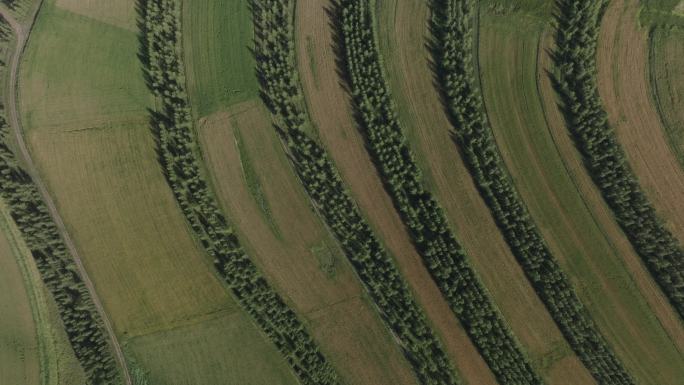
(22, 32)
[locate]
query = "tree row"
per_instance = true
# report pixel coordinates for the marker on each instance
(453, 43)
(180, 159)
(57, 269)
(427, 224)
(376, 269)
(576, 42)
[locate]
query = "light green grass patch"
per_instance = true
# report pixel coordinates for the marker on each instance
(223, 351)
(218, 39)
(661, 12)
(518, 8)
(80, 73)
(679, 9)
(666, 60)
(117, 13)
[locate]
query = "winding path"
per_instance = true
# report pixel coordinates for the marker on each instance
(22, 32)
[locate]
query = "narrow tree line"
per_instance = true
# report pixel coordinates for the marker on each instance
(281, 89)
(442, 254)
(576, 40)
(58, 271)
(453, 46)
(178, 154)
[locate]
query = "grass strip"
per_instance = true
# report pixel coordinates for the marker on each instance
(161, 55)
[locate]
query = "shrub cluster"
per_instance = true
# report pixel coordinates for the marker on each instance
(281, 90)
(427, 224)
(58, 271)
(576, 41)
(453, 26)
(179, 156)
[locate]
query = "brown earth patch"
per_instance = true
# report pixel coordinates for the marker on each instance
(325, 292)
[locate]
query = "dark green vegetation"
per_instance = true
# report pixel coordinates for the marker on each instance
(603, 155)
(464, 102)
(58, 271)
(282, 92)
(221, 78)
(172, 125)
(81, 320)
(427, 224)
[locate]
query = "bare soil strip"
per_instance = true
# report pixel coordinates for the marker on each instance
(330, 110)
(601, 213)
(324, 292)
(22, 35)
(408, 64)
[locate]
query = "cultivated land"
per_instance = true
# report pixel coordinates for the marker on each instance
(331, 113)
(625, 90)
(666, 58)
(292, 246)
(19, 352)
(403, 39)
(594, 201)
(272, 214)
(35, 347)
(603, 282)
(84, 108)
(221, 68)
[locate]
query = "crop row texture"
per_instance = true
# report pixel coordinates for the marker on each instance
(444, 257)
(179, 156)
(275, 52)
(453, 26)
(58, 271)
(603, 156)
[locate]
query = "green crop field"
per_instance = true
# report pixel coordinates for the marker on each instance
(570, 227)
(340, 192)
(35, 350)
(665, 57)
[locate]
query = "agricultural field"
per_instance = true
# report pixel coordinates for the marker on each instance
(341, 192)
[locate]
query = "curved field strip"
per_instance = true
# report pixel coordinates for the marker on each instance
(577, 41)
(625, 90)
(421, 213)
(58, 364)
(172, 123)
(565, 146)
(331, 113)
(301, 258)
(19, 347)
(602, 282)
(218, 53)
(319, 176)
(90, 137)
(427, 125)
(666, 60)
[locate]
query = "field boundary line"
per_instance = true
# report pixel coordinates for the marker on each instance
(22, 36)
